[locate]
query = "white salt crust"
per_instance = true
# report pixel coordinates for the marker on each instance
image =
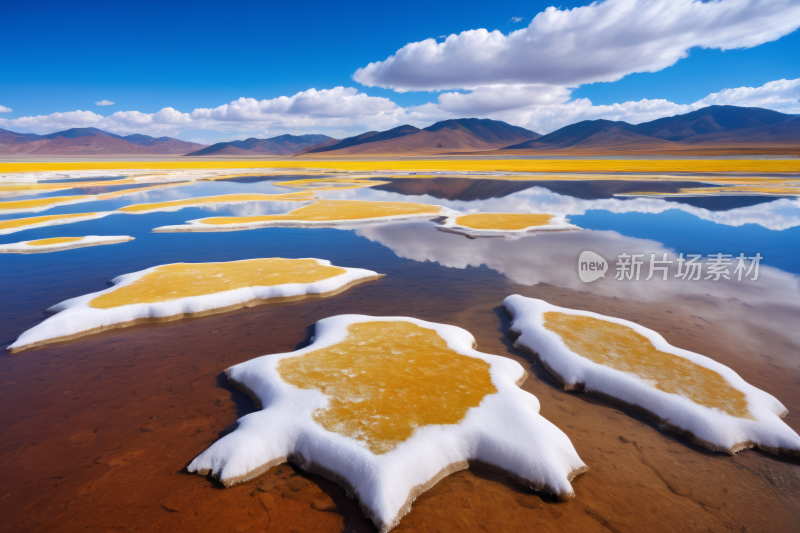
(197, 225)
(558, 223)
(505, 432)
(75, 317)
(201, 203)
(57, 222)
(89, 240)
(706, 426)
(41, 208)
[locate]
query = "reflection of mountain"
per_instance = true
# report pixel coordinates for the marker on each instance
(772, 213)
(723, 202)
(482, 189)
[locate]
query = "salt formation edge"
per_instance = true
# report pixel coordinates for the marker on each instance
(505, 432)
(89, 240)
(198, 225)
(74, 318)
(707, 427)
(559, 223)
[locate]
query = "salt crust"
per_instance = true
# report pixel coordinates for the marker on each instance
(45, 204)
(706, 426)
(89, 240)
(46, 221)
(199, 225)
(76, 318)
(558, 223)
(211, 201)
(504, 432)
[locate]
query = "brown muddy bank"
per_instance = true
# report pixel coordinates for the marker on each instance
(96, 432)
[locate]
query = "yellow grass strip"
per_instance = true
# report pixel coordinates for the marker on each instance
(54, 240)
(22, 222)
(40, 202)
(486, 165)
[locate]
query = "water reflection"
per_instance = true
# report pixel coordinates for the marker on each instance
(772, 302)
(775, 214)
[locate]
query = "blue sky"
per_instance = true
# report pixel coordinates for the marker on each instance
(147, 56)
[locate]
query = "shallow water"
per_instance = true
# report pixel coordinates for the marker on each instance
(96, 431)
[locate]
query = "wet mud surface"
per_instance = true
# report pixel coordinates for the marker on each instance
(95, 434)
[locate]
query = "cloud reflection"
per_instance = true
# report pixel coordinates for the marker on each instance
(776, 215)
(772, 302)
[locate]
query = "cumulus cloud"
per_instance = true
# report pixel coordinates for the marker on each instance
(603, 41)
(4, 109)
(545, 109)
(104, 102)
(341, 112)
(340, 108)
(515, 19)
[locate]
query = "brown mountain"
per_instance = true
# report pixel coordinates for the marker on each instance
(90, 141)
(369, 137)
(461, 135)
(281, 145)
(711, 130)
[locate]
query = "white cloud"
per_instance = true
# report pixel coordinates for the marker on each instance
(104, 102)
(4, 109)
(341, 112)
(603, 41)
(545, 109)
(515, 19)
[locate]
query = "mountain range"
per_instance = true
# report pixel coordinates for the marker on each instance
(710, 129)
(282, 145)
(713, 130)
(90, 141)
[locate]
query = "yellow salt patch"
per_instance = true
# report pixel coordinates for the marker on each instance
(54, 240)
(621, 348)
(182, 280)
(503, 221)
(40, 202)
(388, 378)
(298, 196)
(335, 210)
(329, 183)
(30, 221)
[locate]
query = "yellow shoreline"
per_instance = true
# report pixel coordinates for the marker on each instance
(506, 165)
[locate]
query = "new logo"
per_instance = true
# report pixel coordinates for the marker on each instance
(591, 266)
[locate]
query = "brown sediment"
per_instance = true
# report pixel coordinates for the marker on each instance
(95, 433)
(198, 314)
(416, 491)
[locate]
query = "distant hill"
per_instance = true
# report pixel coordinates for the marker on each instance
(712, 119)
(281, 145)
(713, 129)
(90, 141)
(369, 137)
(448, 136)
